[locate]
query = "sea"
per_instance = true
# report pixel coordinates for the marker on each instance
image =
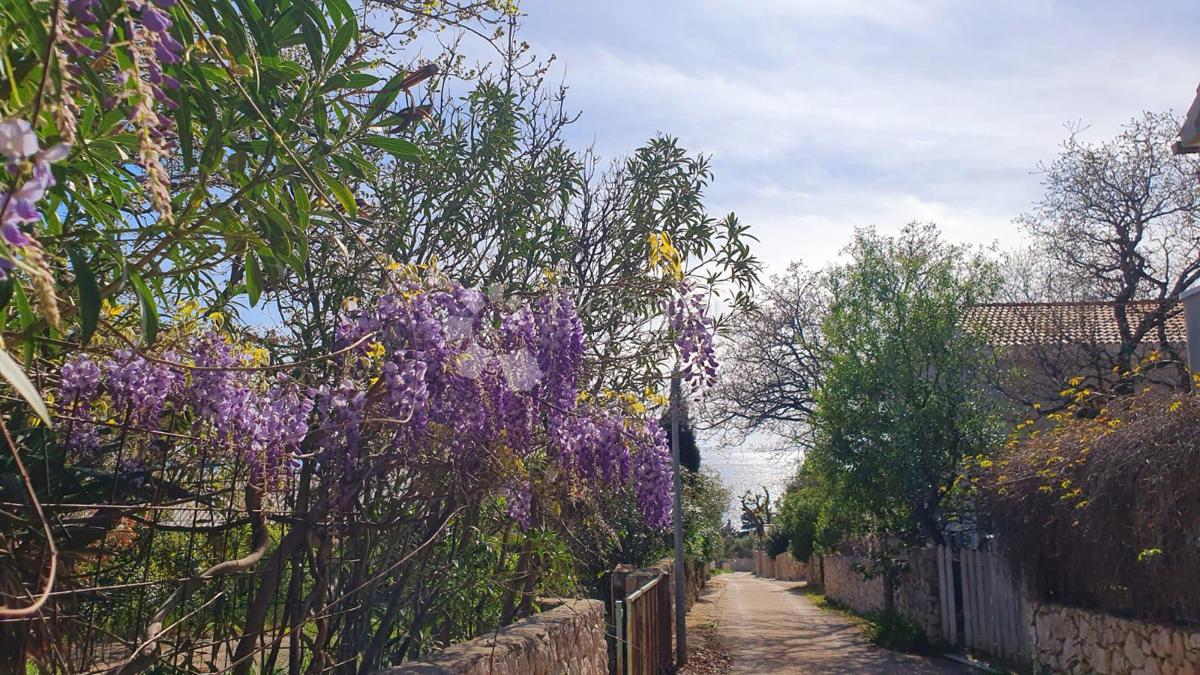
(752, 464)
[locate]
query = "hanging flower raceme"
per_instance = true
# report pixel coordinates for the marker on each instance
(208, 390)
(432, 375)
(490, 384)
(688, 318)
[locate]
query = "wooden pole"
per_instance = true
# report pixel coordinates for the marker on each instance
(677, 519)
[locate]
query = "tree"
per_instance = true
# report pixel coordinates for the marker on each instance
(1119, 222)
(689, 450)
(901, 404)
(773, 364)
(705, 498)
(756, 512)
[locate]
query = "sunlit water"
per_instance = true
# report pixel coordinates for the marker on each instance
(749, 466)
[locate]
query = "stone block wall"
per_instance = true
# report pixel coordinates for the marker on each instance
(764, 565)
(787, 568)
(566, 639)
(916, 594)
(816, 570)
(1070, 640)
(737, 564)
(845, 585)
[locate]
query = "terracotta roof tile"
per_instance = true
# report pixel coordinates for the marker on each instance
(1033, 323)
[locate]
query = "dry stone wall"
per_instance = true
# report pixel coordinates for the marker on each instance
(737, 564)
(846, 585)
(916, 595)
(568, 639)
(788, 569)
(1070, 640)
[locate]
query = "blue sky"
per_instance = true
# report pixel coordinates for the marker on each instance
(821, 116)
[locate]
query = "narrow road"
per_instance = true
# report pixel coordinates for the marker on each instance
(772, 627)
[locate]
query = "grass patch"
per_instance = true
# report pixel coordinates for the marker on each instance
(890, 631)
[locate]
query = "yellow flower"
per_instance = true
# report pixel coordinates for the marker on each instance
(189, 309)
(1176, 406)
(664, 255)
(255, 355)
(111, 310)
(376, 350)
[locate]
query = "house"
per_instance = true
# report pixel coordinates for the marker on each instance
(1043, 346)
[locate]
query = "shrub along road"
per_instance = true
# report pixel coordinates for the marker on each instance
(772, 627)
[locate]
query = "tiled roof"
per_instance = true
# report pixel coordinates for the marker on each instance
(1012, 324)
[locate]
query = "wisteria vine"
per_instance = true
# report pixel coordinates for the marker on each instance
(430, 372)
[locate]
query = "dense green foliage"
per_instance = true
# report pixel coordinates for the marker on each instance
(899, 400)
(902, 401)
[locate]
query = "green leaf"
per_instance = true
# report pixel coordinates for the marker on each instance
(352, 81)
(385, 97)
(149, 309)
(253, 278)
(397, 147)
(342, 193)
(12, 371)
(89, 294)
(26, 319)
(6, 292)
(341, 41)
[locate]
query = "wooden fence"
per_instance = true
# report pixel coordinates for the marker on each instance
(643, 623)
(983, 607)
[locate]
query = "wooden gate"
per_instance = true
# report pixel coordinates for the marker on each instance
(643, 622)
(983, 607)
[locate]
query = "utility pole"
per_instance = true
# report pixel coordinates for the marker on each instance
(677, 519)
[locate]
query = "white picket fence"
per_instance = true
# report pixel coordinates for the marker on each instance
(979, 597)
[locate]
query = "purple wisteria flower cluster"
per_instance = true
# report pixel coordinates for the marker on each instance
(245, 413)
(147, 28)
(693, 328)
(25, 160)
(93, 30)
(494, 385)
(432, 374)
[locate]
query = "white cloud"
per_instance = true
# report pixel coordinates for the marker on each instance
(825, 115)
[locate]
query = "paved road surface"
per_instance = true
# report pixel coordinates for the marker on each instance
(772, 627)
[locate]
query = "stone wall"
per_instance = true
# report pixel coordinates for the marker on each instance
(788, 569)
(764, 565)
(736, 564)
(845, 585)
(916, 595)
(566, 639)
(694, 580)
(1070, 640)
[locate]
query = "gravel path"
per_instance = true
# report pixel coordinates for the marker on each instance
(772, 627)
